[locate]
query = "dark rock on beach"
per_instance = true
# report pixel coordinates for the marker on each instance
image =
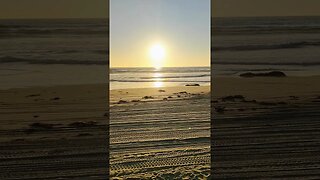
(192, 84)
(268, 74)
(148, 97)
(122, 102)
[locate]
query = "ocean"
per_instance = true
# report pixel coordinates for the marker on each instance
(123, 78)
(260, 44)
(48, 52)
(75, 51)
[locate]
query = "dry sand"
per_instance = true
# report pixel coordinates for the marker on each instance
(272, 132)
(160, 133)
(69, 141)
(61, 132)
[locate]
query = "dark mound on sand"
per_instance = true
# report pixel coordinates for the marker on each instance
(192, 84)
(267, 74)
(148, 97)
(122, 102)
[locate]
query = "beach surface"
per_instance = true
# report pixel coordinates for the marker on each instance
(160, 133)
(61, 132)
(262, 128)
(265, 128)
(54, 132)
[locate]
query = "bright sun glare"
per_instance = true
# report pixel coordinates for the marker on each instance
(157, 54)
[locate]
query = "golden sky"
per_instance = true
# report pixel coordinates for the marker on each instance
(166, 33)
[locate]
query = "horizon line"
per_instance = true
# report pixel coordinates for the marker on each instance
(54, 18)
(265, 16)
(51, 18)
(163, 67)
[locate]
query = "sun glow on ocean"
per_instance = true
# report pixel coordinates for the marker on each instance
(158, 80)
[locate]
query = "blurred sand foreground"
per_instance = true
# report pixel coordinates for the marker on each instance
(262, 127)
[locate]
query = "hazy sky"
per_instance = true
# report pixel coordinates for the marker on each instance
(181, 27)
(54, 9)
(224, 8)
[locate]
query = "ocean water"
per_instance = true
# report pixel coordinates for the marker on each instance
(123, 78)
(55, 41)
(75, 51)
(64, 52)
(260, 44)
(53, 52)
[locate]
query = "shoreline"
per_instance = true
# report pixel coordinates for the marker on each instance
(158, 93)
(216, 78)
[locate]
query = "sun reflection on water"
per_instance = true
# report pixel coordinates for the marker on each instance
(157, 80)
(157, 84)
(157, 75)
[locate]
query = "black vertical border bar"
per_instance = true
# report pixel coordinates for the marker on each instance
(107, 93)
(211, 93)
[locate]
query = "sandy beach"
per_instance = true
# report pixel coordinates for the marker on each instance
(262, 128)
(60, 132)
(265, 128)
(160, 133)
(54, 132)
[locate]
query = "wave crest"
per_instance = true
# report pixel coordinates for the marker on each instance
(11, 59)
(291, 45)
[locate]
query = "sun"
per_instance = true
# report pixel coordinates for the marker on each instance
(157, 55)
